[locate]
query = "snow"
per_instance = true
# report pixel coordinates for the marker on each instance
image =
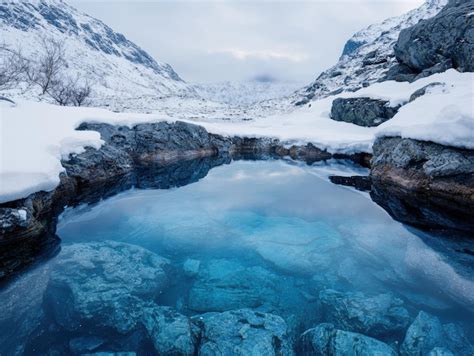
(36, 136)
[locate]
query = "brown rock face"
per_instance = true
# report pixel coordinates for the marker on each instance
(424, 184)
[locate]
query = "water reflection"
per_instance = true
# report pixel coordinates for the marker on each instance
(270, 236)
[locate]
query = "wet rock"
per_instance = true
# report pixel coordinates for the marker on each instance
(362, 111)
(325, 339)
(379, 316)
(170, 332)
(423, 183)
(224, 285)
(361, 183)
(242, 332)
(427, 335)
(191, 267)
(104, 284)
(444, 41)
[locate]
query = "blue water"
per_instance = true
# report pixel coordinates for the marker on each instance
(267, 235)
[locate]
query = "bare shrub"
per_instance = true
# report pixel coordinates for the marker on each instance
(50, 64)
(13, 67)
(66, 91)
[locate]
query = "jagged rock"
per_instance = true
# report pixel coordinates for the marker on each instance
(242, 332)
(423, 183)
(379, 316)
(442, 42)
(224, 285)
(426, 335)
(104, 284)
(362, 111)
(325, 339)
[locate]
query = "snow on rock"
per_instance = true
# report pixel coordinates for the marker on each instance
(35, 136)
(367, 55)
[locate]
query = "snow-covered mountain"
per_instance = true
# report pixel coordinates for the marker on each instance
(118, 68)
(367, 55)
(246, 93)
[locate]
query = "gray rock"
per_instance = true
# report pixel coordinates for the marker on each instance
(382, 315)
(104, 284)
(242, 332)
(362, 111)
(424, 183)
(446, 40)
(191, 267)
(325, 339)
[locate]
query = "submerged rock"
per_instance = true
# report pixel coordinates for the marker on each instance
(382, 315)
(362, 111)
(191, 267)
(242, 332)
(427, 335)
(104, 284)
(170, 332)
(223, 285)
(325, 339)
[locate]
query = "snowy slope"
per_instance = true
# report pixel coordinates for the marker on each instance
(246, 92)
(367, 55)
(117, 67)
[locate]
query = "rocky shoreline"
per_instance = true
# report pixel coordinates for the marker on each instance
(155, 155)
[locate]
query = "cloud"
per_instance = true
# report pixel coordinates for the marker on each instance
(208, 41)
(265, 54)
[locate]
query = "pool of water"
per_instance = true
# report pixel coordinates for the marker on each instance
(276, 237)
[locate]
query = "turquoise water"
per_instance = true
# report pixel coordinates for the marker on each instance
(268, 235)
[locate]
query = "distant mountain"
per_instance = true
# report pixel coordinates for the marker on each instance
(246, 92)
(367, 55)
(118, 67)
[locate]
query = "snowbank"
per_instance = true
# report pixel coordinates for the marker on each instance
(35, 136)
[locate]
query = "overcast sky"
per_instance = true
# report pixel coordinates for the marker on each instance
(209, 41)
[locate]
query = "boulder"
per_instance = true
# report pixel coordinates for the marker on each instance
(442, 42)
(325, 339)
(104, 284)
(362, 111)
(381, 316)
(242, 332)
(423, 183)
